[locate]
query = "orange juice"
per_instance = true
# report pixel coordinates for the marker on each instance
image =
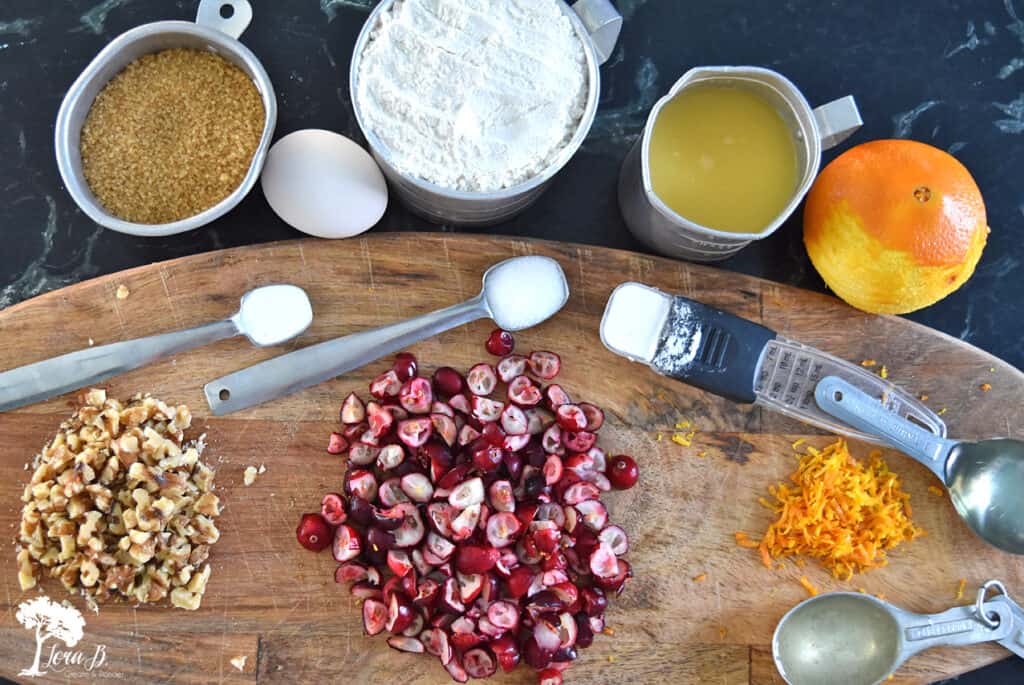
(723, 157)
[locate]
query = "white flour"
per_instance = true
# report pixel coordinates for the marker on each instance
(474, 95)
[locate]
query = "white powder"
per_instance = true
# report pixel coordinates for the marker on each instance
(473, 95)
(523, 291)
(633, 321)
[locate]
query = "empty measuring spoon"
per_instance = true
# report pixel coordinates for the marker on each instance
(267, 316)
(856, 639)
(985, 479)
(517, 293)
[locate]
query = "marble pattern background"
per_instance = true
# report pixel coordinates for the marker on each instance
(947, 73)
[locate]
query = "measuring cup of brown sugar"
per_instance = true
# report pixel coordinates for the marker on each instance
(181, 134)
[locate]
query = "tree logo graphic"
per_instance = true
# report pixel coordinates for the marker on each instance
(50, 620)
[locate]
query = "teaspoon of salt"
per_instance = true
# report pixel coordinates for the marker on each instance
(517, 293)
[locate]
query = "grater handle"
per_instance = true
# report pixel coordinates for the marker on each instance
(711, 349)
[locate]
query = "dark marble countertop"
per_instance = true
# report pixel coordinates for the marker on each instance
(949, 73)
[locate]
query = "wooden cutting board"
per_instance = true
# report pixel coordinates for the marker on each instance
(277, 604)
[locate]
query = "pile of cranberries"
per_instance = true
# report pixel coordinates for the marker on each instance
(471, 525)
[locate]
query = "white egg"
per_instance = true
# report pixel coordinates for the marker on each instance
(324, 184)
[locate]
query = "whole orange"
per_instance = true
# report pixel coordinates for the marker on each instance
(894, 225)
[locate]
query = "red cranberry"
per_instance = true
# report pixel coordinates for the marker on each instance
(405, 366)
(314, 533)
(623, 472)
(500, 343)
(448, 381)
(332, 508)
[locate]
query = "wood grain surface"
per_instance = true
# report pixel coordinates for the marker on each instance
(277, 604)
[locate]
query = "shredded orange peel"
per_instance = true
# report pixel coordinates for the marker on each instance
(840, 511)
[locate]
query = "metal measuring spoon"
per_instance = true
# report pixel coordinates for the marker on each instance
(857, 639)
(985, 479)
(517, 293)
(267, 316)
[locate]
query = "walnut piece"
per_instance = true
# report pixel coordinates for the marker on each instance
(119, 506)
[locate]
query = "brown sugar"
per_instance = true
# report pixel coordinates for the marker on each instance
(170, 136)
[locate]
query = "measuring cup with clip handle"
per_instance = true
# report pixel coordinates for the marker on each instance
(984, 478)
(865, 639)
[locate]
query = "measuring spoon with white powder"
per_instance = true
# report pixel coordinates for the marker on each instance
(517, 293)
(269, 315)
(746, 362)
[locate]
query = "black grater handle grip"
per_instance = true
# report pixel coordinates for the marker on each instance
(711, 349)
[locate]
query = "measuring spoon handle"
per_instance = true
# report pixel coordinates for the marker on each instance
(957, 627)
(1015, 640)
(850, 405)
(74, 370)
(315, 364)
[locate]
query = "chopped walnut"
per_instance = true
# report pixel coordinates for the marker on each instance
(119, 507)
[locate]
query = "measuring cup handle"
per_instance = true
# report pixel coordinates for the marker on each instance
(211, 13)
(837, 121)
(957, 627)
(855, 407)
(603, 22)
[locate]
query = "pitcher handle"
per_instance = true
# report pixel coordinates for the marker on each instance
(837, 121)
(211, 14)
(604, 24)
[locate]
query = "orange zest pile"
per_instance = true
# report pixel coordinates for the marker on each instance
(844, 513)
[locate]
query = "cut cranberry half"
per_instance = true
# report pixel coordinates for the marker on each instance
(485, 409)
(415, 432)
(571, 418)
(336, 444)
(481, 380)
(502, 529)
(479, 663)
(578, 441)
(550, 676)
(313, 532)
(332, 508)
(555, 396)
(616, 539)
(386, 385)
(444, 426)
(362, 484)
(513, 420)
(400, 613)
(416, 396)
(501, 497)
(352, 409)
(347, 544)
(545, 364)
(467, 494)
(524, 392)
(375, 616)
(390, 456)
(500, 342)
(511, 366)
(594, 414)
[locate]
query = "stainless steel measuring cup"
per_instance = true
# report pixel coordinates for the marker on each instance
(857, 639)
(659, 227)
(597, 23)
(211, 31)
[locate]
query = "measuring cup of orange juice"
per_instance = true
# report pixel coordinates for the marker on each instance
(725, 158)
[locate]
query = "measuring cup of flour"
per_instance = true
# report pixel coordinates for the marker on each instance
(662, 229)
(450, 120)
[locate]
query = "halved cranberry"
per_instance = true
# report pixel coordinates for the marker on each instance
(313, 532)
(599, 458)
(485, 409)
(550, 676)
(336, 444)
(524, 392)
(623, 472)
(501, 497)
(615, 538)
(399, 562)
(385, 385)
(481, 380)
(406, 644)
(435, 641)
(510, 367)
(594, 414)
(400, 613)
(380, 419)
(444, 427)
(603, 563)
(362, 454)
(347, 544)
(450, 598)
(352, 409)
(467, 494)
(366, 591)
(448, 381)
(439, 407)
(594, 514)
(441, 515)
(617, 582)
(439, 546)
(475, 558)
(470, 586)
(537, 420)
(514, 443)
(502, 529)
(555, 396)
(552, 469)
(390, 456)
(416, 396)
(332, 508)
(464, 525)
(375, 616)
(370, 438)
(507, 652)
(499, 343)
(551, 441)
(545, 364)
(456, 671)
(415, 432)
(390, 494)
(388, 519)
(460, 403)
(479, 663)
(362, 484)
(571, 418)
(412, 530)
(546, 536)
(513, 420)
(405, 366)
(579, 441)
(352, 572)
(352, 432)
(417, 487)
(468, 434)
(503, 615)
